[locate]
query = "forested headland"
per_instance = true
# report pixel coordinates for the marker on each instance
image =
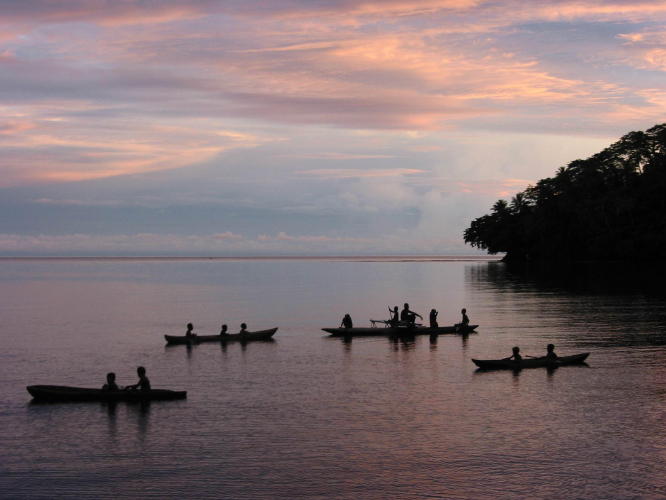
(609, 207)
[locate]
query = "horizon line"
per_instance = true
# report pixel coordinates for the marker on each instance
(252, 257)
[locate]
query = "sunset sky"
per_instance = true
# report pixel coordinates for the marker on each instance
(293, 127)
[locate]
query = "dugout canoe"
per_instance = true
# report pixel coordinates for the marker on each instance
(61, 393)
(398, 332)
(229, 337)
(506, 364)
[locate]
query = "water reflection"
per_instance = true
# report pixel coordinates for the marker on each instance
(515, 379)
(135, 412)
(111, 408)
(408, 343)
(142, 410)
(595, 305)
(223, 346)
(597, 278)
(402, 342)
(465, 341)
(550, 371)
(396, 342)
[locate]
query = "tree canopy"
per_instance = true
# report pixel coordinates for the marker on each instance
(611, 206)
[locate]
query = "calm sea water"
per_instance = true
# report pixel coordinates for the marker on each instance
(308, 416)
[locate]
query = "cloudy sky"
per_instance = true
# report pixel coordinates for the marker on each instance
(293, 127)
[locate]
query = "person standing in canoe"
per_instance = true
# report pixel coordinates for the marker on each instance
(433, 318)
(550, 352)
(110, 383)
(143, 384)
(223, 330)
(409, 316)
(347, 322)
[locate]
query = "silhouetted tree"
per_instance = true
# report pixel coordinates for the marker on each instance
(611, 206)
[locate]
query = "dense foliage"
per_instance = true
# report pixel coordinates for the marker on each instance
(611, 206)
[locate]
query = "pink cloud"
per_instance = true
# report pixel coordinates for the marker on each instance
(648, 49)
(282, 236)
(342, 156)
(651, 109)
(14, 127)
(121, 243)
(107, 13)
(227, 235)
(44, 147)
(126, 99)
(356, 173)
(501, 188)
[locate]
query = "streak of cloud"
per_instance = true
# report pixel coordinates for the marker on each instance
(351, 173)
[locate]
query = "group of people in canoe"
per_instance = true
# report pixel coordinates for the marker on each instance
(142, 385)
(517, 357)
(407, 318)
(223, 330)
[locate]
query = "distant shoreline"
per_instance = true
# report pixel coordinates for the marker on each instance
(335, 258)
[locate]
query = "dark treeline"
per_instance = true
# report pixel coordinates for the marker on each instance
(611, 206)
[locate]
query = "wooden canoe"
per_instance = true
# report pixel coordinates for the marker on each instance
(506, 364)
(398, 332)
(57, 393)
(229, 337)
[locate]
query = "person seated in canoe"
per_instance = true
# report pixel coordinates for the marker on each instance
(464, 322)
(465, 319)
(395, 316)
(243, 328)
(408, 316)
(516, 357)
(143, 384)
(433, 318)
(189, 332)
(110, 383)
(223, 330)
(550, 352)
(347, 322)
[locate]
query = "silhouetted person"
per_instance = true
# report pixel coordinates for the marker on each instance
(143, 384)
(465, 320)
(433, 318)
(223, 331)
(110, 383)
(395, 316)
(408, 316)
(550, 352)
(347, 322)
(516, 355)
(189, 332)
(243, 328)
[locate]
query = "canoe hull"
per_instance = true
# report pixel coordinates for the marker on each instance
(61, 393)
(397, 332)
(504, 364)
(230, 337)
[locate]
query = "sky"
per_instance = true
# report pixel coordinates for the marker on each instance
(303, 127)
